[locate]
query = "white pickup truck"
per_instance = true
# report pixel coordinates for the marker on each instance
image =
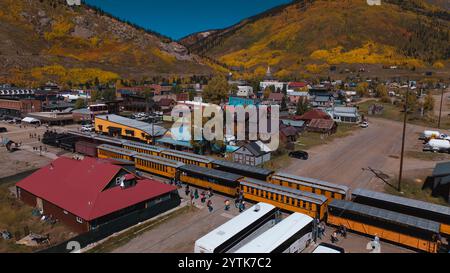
(437, 145)
(427, 135)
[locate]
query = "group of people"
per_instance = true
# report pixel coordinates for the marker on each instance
(239, 202)
(342, 231)
(38, 149)
(320, 229)
(205, 197)
(34, 135)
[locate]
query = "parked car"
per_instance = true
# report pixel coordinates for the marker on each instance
(299, 155)
(3, 130)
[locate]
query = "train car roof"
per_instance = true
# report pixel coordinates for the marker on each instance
(407, 202)
(159, 160)
(115, 149)
(143, 146)
(277, 235)
(95, 136)
(191, 156)
(300, 179)
(386, 215)
(210, 172)
(243, 167)
(315, 198)
(226, 231)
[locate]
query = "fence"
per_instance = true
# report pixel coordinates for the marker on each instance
(105, 230)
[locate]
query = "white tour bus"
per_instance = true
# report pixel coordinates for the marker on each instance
(325, 248)
(292, 235)
(232, 232)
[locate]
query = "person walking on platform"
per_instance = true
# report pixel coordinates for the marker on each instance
(209, 205)
(227, 205)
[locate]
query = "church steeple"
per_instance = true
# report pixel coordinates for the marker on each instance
(268, 74)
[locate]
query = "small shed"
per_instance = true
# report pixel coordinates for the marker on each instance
(439, 181)
(324, 126)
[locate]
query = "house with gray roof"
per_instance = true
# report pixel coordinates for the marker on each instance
(251, 154)
(345, 114)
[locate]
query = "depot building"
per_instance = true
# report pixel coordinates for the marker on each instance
(118, 126)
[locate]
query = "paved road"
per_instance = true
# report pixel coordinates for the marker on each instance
(343, 160)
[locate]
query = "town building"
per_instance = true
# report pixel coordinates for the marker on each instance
(19, 107)
(439, 181)
(345, 114)
(166, 105)
(297, 124)
(90, 194)
(238, 101)
(295, 97)
(118, 126)
(244, 91)
(275, 98)
(323, 101)
(251, 154)
(53, 118)
(323, 126)
(288, 134)
(298, 87)
(313, 114)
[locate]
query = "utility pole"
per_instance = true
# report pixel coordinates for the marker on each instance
(403, 143)
(440, 110)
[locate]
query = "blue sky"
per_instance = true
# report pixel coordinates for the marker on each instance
(178, 18)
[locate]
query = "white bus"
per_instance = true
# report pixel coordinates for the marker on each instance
(232, 232)
(325, 248)
(292, 235)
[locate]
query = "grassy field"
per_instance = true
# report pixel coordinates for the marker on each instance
(413, 189)
(308, 140)
(428, 156)
(393, 112)
(16, 217)
(120, 240)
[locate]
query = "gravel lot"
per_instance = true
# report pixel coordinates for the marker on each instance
(343, 160)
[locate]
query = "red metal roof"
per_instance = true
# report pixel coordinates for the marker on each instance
(276, 96)
(314, 114)
(323, 124)
(78, 187)
(297, 84)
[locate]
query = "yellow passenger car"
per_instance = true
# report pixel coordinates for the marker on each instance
(112, 152)
(188, 158)
(285, 198)
(157, 165)
(218, 181)
(330, 190)
(409, 231)
(142, 148)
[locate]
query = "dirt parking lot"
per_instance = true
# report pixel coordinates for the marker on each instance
(345, 161)
(26, 159)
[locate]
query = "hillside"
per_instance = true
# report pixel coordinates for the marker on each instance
(47, 40)
(310, 36)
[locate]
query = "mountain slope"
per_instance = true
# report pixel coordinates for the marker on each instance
(46, 39)
(312, 36)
